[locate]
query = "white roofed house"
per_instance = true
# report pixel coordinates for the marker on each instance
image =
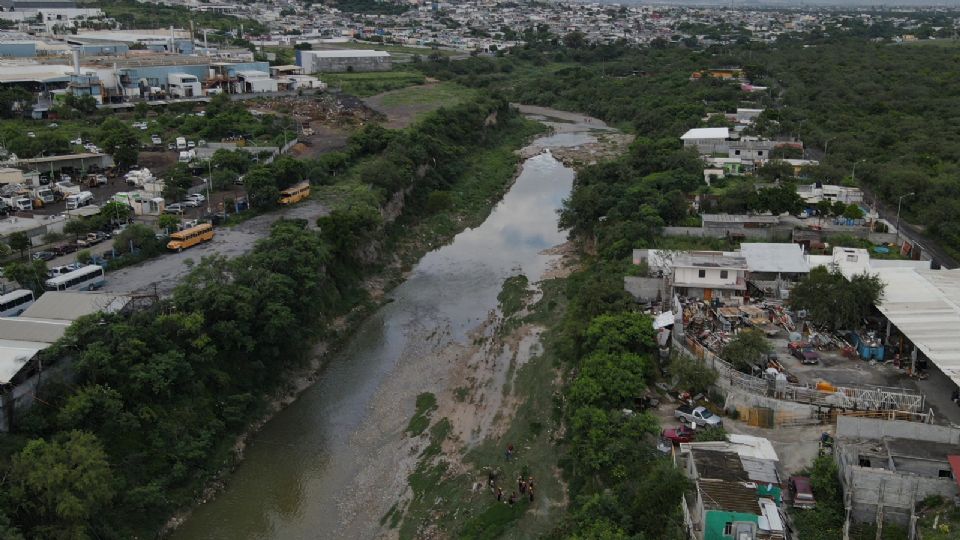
(707, 141)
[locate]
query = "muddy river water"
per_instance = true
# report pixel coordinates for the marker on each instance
(332, 463)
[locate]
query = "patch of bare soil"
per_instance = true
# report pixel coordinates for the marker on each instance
(158, 162)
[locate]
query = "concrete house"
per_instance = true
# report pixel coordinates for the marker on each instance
(707, 140)
(706, 275)
(737, 490)
(888, 466)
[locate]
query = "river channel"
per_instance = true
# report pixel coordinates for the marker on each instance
(332, 463)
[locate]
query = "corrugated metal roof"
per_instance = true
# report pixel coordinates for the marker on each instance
(70, 306)
(925, 306)
(348, 53)
(33, 330)
(707, 133)
(14, 355)
(729, 496)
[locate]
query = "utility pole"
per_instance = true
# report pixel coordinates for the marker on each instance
(899, 203)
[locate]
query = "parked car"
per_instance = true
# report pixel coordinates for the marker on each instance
(64, 249)
(803, 352)
(175, 208)
(91, 239)
(196, 197)
(44, 255)
(802, 491)
(680, 434)
(191, 144)
(190, 203)
(698, 415)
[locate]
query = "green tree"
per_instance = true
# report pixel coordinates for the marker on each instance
(28, 274)
(120, 141)
(76, 227)
(168, 222)
(140, 237)
(746, 349)
(853, 211)
(261, 188)
(176, 186)
(575, 40)
(19, 241)
(238, 161)
(693, 375)
(140, 110)
(832, 301)
(63, 485)
(631, 332)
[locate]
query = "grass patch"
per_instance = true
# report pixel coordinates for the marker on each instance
(447, 505)
(461, 393)
(368, 84)
(442, 94)
(514, 294)
(426, 404)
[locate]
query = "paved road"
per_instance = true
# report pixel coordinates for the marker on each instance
(163, 273)
(913, 233)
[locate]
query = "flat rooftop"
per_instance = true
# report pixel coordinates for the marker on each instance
(774, 258)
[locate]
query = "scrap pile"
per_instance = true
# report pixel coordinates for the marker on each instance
(328, 109)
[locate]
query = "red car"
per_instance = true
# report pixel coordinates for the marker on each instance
(679, 434)
(802, 491)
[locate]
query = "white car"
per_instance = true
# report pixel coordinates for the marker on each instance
(78, 141)
(190, 203)
(31, 134)
(191, 144)
(196, 197)
(156, 140)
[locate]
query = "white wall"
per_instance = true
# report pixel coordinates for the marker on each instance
(712, 277)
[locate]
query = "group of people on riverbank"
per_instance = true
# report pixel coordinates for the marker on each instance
(525, 487)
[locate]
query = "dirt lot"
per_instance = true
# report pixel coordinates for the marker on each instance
(796, 446)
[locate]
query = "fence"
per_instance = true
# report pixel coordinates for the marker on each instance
(874, 400)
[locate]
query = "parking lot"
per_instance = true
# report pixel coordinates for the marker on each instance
(162, 274)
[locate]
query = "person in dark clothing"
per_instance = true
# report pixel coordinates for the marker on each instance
(531, 494)
(521, 485)
(513, 498)
(499, 494)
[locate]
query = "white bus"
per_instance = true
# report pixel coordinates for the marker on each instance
(14, 303)
(88, 278)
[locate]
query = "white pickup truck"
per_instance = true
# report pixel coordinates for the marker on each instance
(698, 415)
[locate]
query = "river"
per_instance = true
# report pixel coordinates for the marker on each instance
(332, 463)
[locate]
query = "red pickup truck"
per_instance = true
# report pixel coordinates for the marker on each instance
(679, 434)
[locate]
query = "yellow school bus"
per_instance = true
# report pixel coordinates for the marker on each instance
(295, 194)
(190, 237)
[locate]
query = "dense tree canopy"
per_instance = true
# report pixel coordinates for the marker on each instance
(833, 301)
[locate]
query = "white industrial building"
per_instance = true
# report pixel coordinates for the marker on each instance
(344, 60)
(254, 82)
(183, 85)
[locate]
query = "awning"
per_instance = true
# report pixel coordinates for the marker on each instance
(955, 467)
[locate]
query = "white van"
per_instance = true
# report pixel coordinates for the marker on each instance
(78, 200)
(181, 143)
